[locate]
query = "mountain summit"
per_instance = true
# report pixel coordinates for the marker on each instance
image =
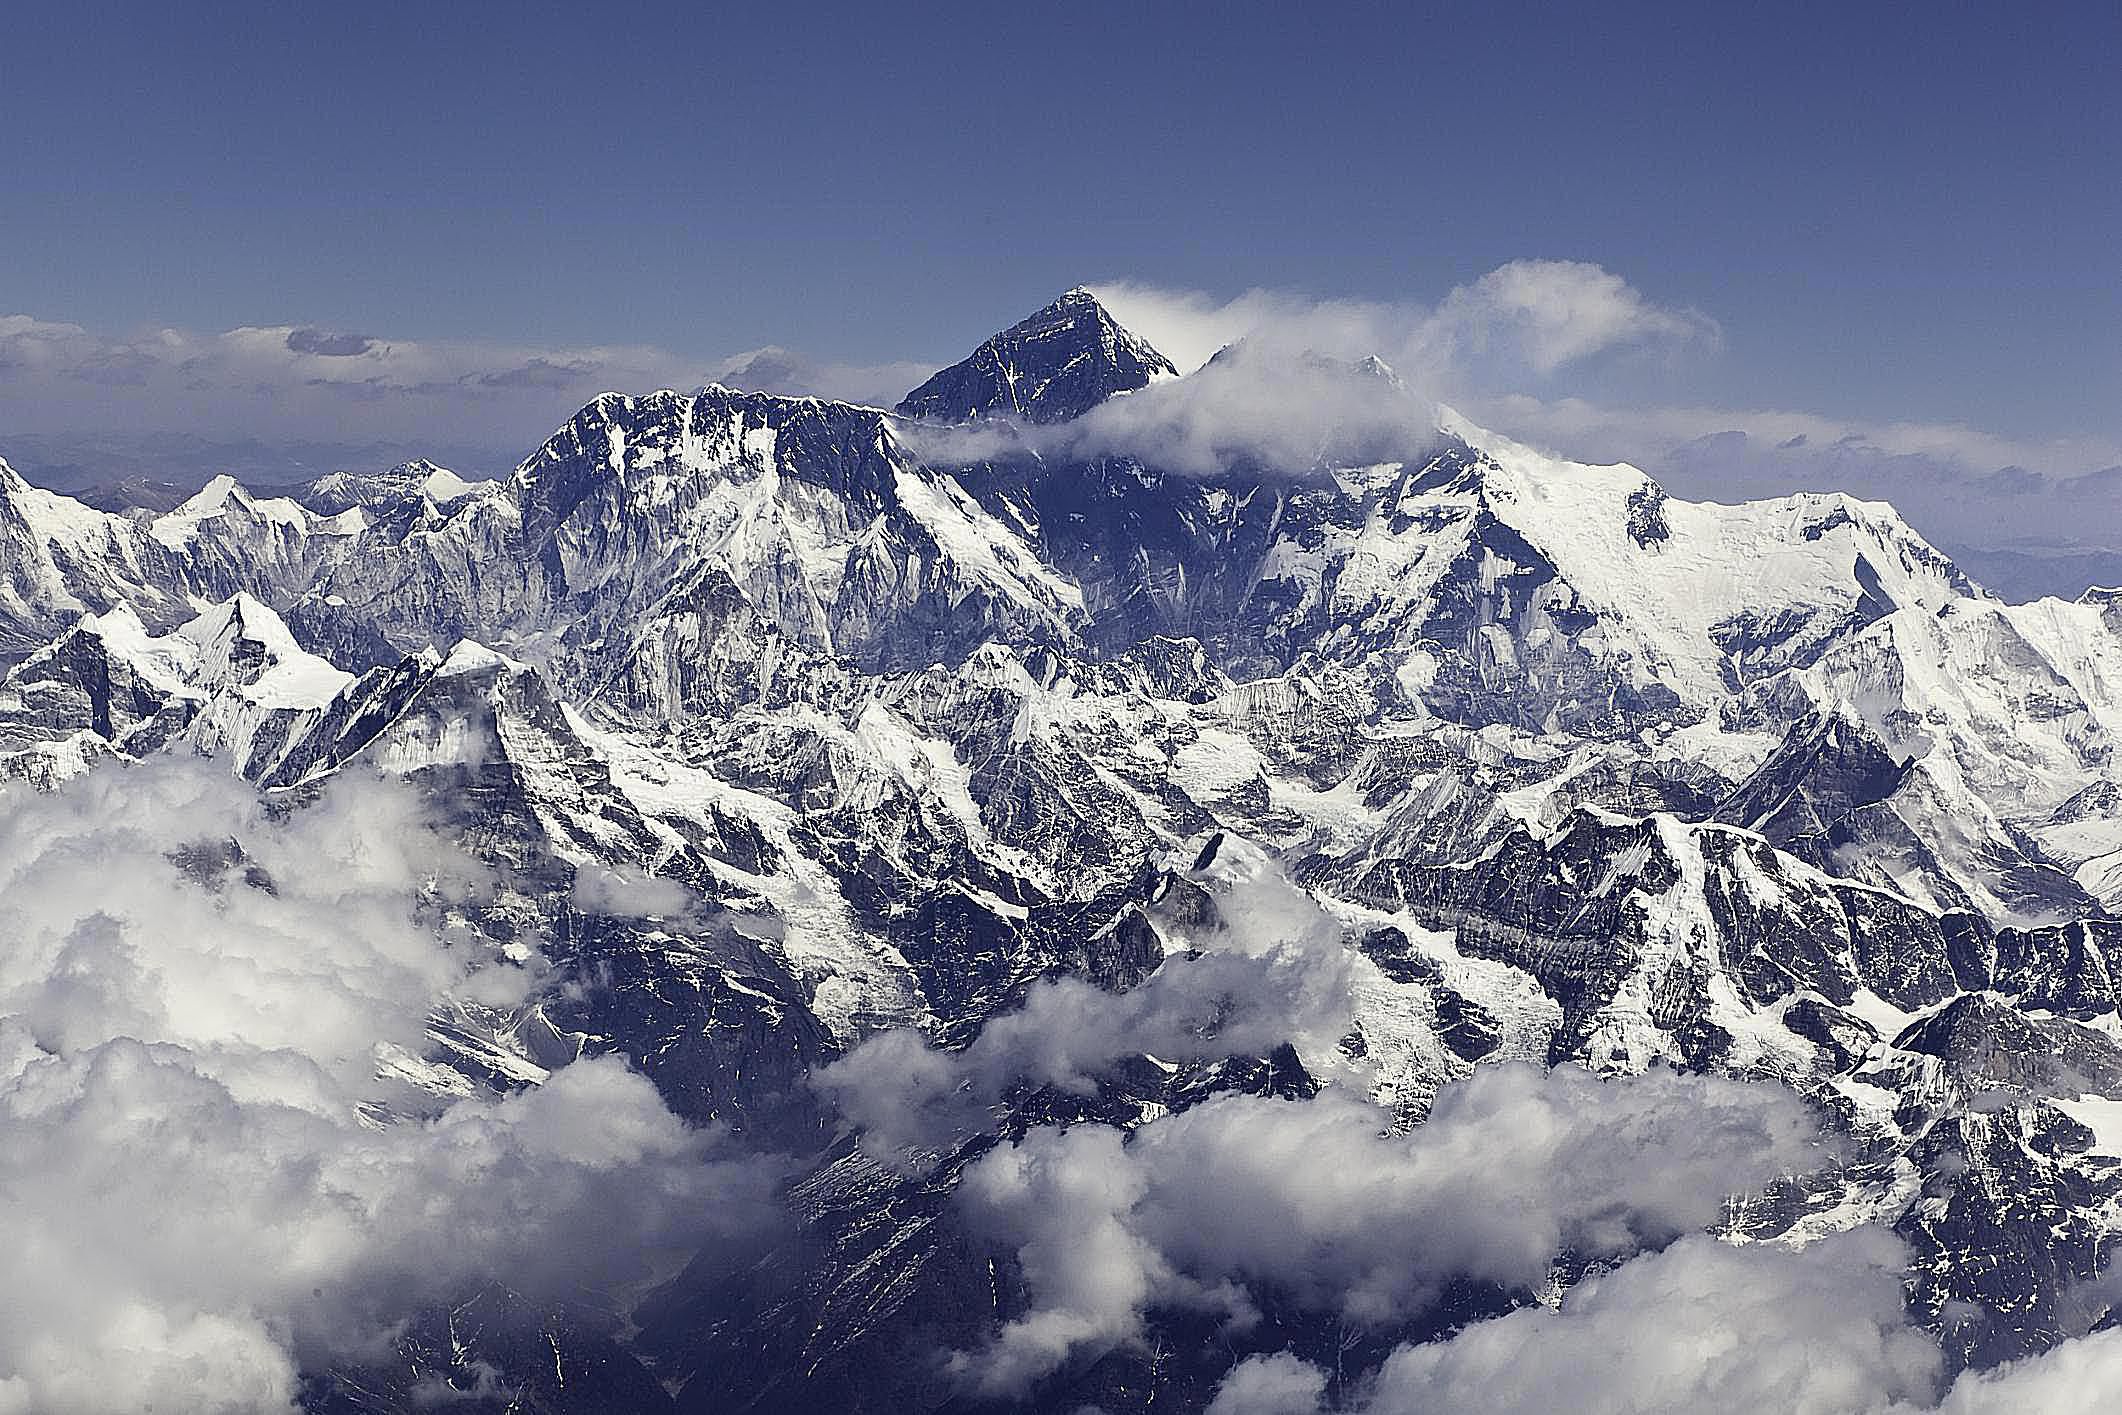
(1051, 366)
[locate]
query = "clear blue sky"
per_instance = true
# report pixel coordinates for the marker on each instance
(1909, 211)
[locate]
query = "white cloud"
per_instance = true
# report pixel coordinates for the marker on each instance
(1534, 316)
(1549, 313)
(309, 385)
(1280, 1384)
(1700, 1326)
(1321, 1202)
(199, 1198)
(2080, 1377)
(1703, 1325)
(1289, 396)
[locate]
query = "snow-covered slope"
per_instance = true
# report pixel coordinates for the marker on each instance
(232, 682)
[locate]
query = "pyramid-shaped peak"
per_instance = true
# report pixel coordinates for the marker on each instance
(243, 645)
(1055, 364)
(240, 617)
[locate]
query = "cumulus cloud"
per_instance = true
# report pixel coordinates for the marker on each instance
(1321, 1202)
(1701, 1325)
(1549, 313)
(2080, 1377)
(1327, 1203)
(906, 1095)
(1280, 1384)
(226, 1157)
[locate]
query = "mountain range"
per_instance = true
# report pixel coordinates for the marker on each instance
(929, 711)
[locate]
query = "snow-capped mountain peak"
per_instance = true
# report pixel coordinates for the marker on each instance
(1055, 364)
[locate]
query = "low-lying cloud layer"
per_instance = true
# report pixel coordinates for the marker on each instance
(200, 1200)
(321, 395)
(1244, 1204)
(1321, 1202)
(1702, 1325)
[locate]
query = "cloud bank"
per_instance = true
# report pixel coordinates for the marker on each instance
(325, 395)
(1245, 1203)
(225, 1161)
(1321, 1202)
(1702, 1325)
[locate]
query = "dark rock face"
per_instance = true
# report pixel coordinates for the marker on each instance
(1052, 366)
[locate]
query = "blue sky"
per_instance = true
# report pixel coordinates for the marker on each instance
(1890, 213)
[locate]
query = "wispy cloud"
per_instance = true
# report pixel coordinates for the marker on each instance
(1526, 317)
(777, 370)
(1279, 383)
(69, 395)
